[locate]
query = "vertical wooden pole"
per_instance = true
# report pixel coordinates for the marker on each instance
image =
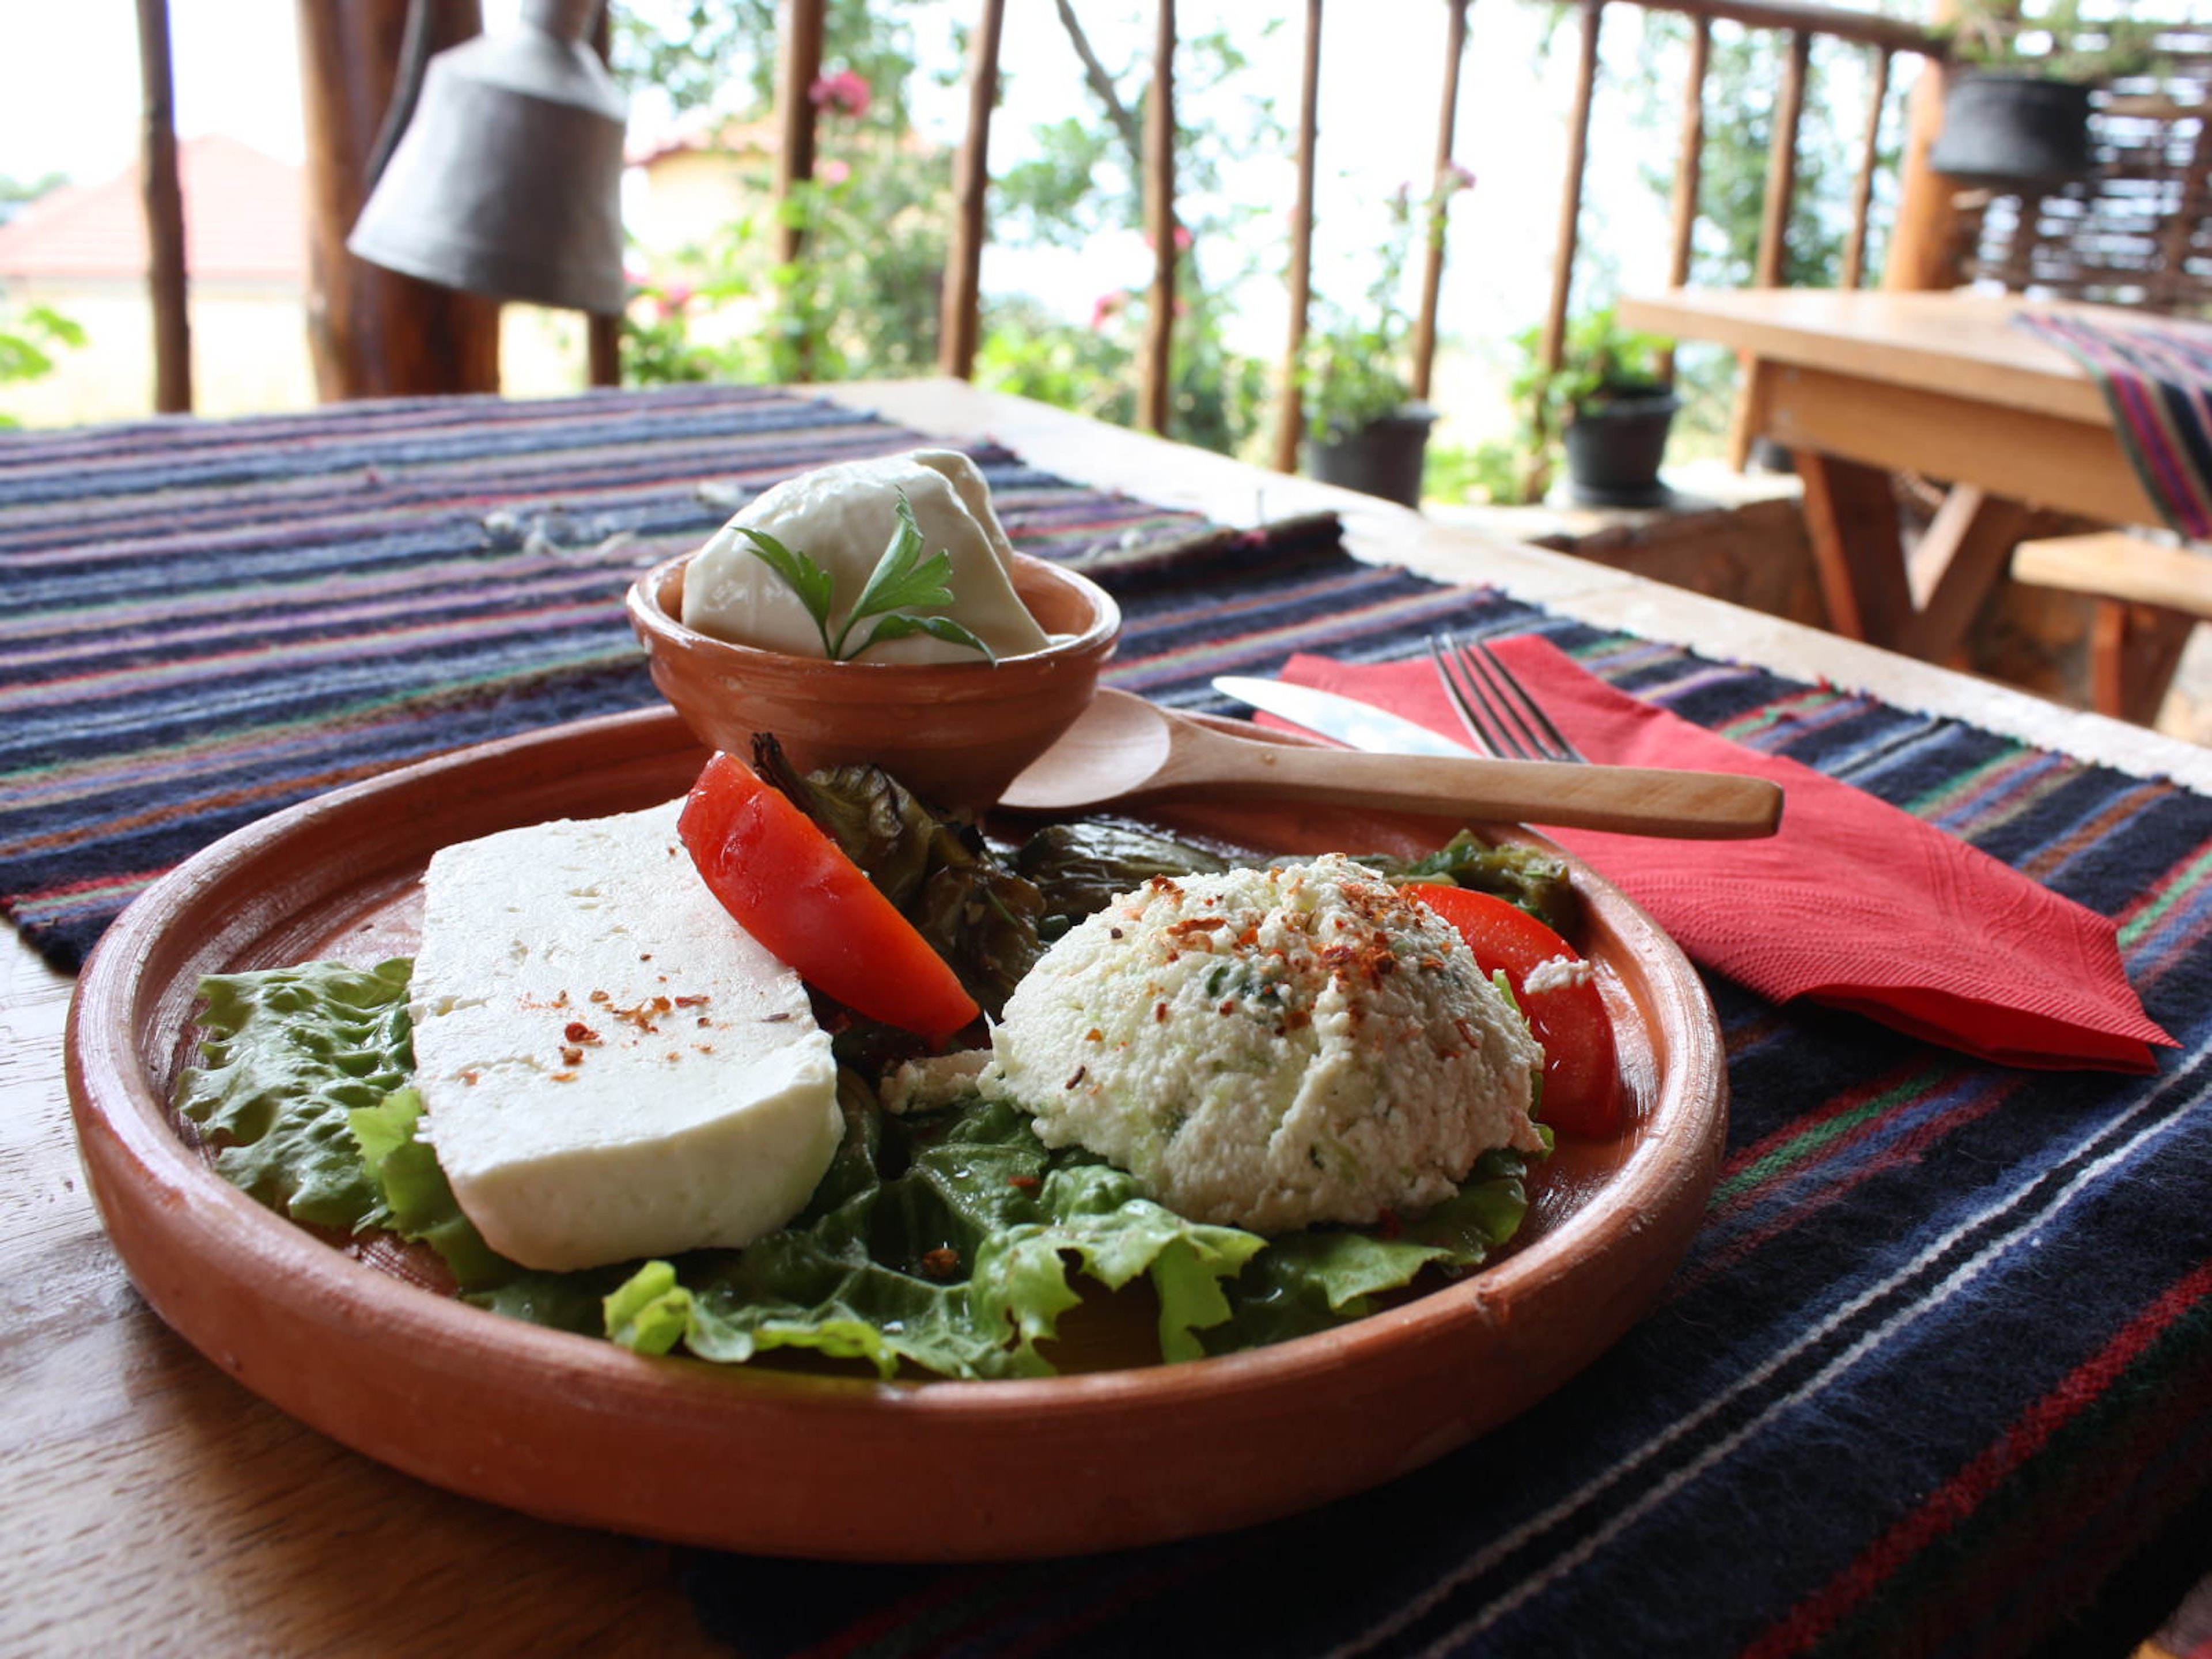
(1551, 349)
(1289, 400)
(164, 202)
(1156, 390)
(960, 319)
(373, 332)
(1869, 158)
(1923, 247)
(799, 27)
(1432, 262)
(1782, 163)
(1689, 169)
(603, 334)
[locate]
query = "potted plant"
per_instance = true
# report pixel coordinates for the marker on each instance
(2017, 117)
(1608, 405)
(1364, 430)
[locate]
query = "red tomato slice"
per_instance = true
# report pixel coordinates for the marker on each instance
(793, 889)
(1581, 1074)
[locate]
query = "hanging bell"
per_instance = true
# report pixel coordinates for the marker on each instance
(506, 177)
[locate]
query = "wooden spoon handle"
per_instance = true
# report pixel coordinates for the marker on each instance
(1633, 799)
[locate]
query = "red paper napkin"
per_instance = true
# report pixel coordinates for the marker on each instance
(1854, 904)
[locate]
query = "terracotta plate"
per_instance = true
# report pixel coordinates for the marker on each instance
(780, 1462)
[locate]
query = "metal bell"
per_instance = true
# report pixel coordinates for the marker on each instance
(506, 178)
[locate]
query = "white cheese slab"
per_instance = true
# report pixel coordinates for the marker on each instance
(610, 1067)
(843, 517)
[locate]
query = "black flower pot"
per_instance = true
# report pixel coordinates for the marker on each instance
(2013, 132)
(1383, 458)
(1615, 449)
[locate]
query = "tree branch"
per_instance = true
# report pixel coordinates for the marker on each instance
(1102, 84)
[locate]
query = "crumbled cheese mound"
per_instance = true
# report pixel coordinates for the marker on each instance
(610, 1066)
(842, 517)
(1270, 1049)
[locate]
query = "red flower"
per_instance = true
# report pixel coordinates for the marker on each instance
(1106, 308)
(845, 92)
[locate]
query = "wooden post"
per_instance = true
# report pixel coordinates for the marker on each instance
(164, 200)
(1923, 245)
(1553, 342)
(1156, 391)
(960, 319)
(602, 333)
(799, 27)
(373, 332)
(1289, 401)
(1432, 262)
(1781, 164)
(1869, 158)
(1689, 169)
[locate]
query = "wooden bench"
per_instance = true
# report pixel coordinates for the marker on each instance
(2149, 596)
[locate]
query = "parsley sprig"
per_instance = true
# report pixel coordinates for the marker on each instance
(902, 580)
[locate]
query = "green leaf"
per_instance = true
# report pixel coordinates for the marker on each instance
(814, 586)
(417, 1194)
(940, 627)
(285, 1055)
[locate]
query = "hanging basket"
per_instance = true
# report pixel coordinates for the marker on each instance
(2013, 132)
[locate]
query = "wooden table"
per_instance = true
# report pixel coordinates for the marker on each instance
(1862, 386)
(154, 1505)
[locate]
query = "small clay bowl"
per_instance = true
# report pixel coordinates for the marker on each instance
(954, 733)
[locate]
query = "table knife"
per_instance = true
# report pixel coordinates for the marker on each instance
(1348, 720)
(1678, 803)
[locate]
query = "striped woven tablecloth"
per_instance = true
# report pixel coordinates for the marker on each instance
(2156, 376)
(1936, 1376)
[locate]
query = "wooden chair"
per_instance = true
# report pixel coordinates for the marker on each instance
(2149, 596)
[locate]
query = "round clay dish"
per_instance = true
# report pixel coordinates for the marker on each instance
(580, 1430)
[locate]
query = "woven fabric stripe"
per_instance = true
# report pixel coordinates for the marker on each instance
(2157, 378)
(1927, 1289)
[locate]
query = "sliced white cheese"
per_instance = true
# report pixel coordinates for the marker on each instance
(843, 517)
(610, 1067)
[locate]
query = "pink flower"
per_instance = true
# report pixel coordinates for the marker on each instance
(833, 171)
(1106, 308)
(1183, 239)
(846, 92)
(673, 298)
(1455, 177)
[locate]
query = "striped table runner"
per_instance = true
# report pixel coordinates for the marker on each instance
(2156, 376)
(1936, 1376)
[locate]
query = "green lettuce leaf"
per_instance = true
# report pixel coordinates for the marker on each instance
(418, 1198)
(1308, 1281)
(287, 1055)
(953, 1243)
(945, 1243)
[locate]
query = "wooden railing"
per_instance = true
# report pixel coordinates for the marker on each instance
(801, 25)
(1799, 21)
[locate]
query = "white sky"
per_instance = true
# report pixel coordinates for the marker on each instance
(237, 71)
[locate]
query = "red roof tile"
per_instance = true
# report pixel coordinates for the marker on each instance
(244, 221)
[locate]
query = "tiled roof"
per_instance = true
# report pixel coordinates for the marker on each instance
(244, 221)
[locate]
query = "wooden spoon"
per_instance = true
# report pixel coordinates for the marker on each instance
(1122, 746)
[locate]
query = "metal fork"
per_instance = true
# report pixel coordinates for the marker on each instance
(1496, 707)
